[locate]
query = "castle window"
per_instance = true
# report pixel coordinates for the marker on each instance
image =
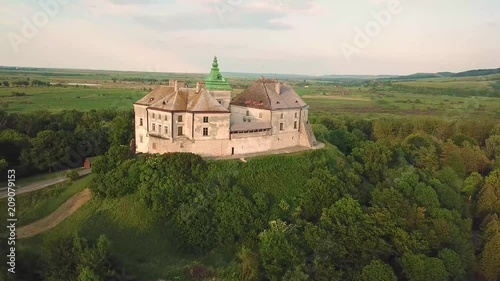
(205, 132)
(153, 115)
(159, 129)
(166, 117)
(281, 127)
(179, 131)
(296, 115)
(282, 115)
(205, 119)
(140, 139)
(159, 116)
(154, 145)
(153, 127)
(179, 118)
(295, 125)
(140, 122)
(166, 130)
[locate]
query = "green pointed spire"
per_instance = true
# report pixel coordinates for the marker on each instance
(214, 80)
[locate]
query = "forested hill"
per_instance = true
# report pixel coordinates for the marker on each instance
(389, 198)
(477, 72)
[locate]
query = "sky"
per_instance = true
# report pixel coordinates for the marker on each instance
(314, 37)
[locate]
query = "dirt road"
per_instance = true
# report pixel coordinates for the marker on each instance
(55, 218)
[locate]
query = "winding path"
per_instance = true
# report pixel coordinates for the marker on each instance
(56, 217)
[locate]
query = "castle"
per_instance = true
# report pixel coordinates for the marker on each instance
(204, 120)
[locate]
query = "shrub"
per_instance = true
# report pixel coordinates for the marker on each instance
(73, 175)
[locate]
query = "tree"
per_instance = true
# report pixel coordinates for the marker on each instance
(5, 83)
(236, 217)
(378, 271)
(472, 184)
(490, 259)
(121, 130)
(426, 196)
(453, 264)
(278, 249)
(51, 149)
(493, 147)
(372, 159)
(12, 143)
(418, 267)
(476, 158)
(345, 237)
(489, 196)
(321, 192)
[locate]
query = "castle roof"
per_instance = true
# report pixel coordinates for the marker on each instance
(183, 99)
(269, 94)
(214, 80)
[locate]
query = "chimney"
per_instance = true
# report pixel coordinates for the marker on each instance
(277, 87)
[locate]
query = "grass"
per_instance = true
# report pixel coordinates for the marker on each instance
(35, 205)
(59, 98)
(142, 246)
(408, 104)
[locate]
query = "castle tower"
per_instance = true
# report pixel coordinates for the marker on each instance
(218, 86)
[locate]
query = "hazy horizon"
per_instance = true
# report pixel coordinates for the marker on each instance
(309, 37)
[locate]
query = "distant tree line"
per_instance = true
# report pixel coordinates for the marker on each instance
(457, 92)
(25, 83)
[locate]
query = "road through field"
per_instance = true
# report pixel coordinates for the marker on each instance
(41, 184)
(55, 218)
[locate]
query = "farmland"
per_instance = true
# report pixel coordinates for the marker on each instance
(457, 97)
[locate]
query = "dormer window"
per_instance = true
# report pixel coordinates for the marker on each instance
(151, 99)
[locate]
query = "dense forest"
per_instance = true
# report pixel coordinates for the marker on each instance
(389, 198)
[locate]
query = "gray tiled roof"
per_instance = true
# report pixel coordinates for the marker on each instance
(263, 94)
(183, 99)
(250, 126)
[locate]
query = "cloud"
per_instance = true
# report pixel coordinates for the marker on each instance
(230, 14)
(204, 21)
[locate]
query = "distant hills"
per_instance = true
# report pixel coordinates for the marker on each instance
(476, 72)
(331, 77)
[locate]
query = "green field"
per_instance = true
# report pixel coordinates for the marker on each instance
(415, 97)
